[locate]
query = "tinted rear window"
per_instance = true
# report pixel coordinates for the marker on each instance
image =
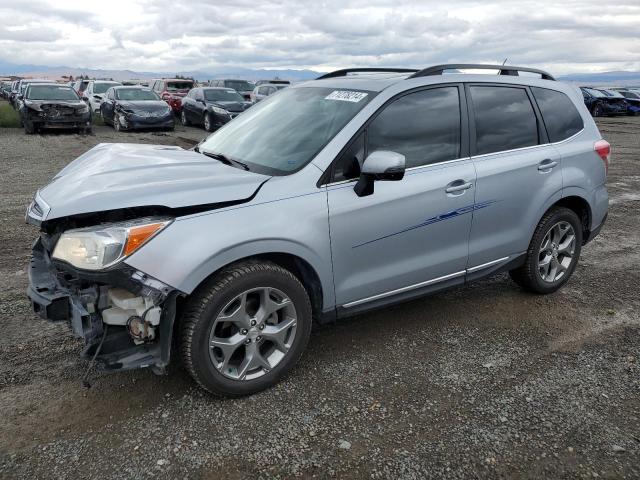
(504, 119)
(559, 114)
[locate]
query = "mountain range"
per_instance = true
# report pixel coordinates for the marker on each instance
(8, 68)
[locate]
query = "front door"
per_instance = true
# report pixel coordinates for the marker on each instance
(410, 234)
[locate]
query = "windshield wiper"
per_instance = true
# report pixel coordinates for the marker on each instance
(224, 159)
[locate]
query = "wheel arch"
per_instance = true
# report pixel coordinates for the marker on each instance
(581, 207)
(298, 266)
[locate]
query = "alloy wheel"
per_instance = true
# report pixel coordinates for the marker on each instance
(556, 252)
(253, 333)
(207, 122)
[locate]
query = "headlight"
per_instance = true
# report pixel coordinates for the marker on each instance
(95, 248)
(219, 111)
(83, 109)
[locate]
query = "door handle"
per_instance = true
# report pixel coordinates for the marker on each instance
(547, 165)
(458, 186)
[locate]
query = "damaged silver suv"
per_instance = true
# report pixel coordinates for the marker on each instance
(347, 193)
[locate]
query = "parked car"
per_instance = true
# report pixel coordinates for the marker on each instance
(50, 105)
(332, 198)
(80, 85)
(275, 81)
(22, 87)
(95, 91)
(129, 108)
(5, 89)
(243, 87)
(633, 106)
(263, 91)
(599, 104)
(633, 99)
(13, 93)
(211, 107)
(172, 90)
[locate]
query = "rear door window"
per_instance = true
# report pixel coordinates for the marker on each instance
(504, 118)
(560, 116)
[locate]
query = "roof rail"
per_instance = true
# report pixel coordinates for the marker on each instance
(503, 70)
(344, 72)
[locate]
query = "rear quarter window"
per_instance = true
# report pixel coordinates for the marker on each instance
(559, 114)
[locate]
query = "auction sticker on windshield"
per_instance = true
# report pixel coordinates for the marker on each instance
(346, 96)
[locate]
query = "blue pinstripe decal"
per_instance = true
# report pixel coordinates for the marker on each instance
(436, 219)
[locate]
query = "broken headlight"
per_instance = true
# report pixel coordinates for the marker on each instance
(95, 248)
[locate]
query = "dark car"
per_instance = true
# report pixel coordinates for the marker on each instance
(50, 105)
(599, 104)
(275, 81)
(13, 92)
(5, 89)
(211, 107)
(243, 87)
(632, 99)
(128, 108)
(172, 90)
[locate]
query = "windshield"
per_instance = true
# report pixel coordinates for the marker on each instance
(239, 85)
(595, 93)
(101, 87)
(134, 94)
(51, 92)
(215, 95)
(630, 95)
(173, 86)
(611, 93)
(283, 133)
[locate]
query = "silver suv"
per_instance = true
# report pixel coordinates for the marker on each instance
(351, 192)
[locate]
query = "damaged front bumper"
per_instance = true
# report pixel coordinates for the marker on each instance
(137, 311)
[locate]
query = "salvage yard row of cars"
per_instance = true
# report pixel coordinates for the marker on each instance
(43, 103)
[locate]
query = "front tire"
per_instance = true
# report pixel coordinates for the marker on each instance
(208, 123)
(245, 329)
(553, 253)
(183, 119)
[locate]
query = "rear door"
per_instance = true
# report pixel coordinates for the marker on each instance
(409, 235)
(518, 173)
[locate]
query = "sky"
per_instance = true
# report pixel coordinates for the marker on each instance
(186, 35)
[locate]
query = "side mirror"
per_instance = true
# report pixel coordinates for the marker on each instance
(86, 99)
(379, 165)
(201, 100)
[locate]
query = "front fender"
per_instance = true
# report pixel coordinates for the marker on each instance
(194, 247)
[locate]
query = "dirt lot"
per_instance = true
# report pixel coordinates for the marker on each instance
(484, 381)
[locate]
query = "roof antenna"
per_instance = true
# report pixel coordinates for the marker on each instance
(505, 60)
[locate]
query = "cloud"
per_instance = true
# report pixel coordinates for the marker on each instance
(170, 35)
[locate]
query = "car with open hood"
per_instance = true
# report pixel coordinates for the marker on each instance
(130, 108)
(172, 90)
(211, 107)
(51, 105)
(332, 198)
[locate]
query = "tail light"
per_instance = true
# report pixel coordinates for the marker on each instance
(603, 149)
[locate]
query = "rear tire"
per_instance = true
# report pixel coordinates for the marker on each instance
(29, 128)
(227, 333)
(552, 256)
(597, 110)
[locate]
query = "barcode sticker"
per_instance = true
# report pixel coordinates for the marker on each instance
(346, 96)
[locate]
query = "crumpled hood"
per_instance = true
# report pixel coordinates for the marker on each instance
(144, 105)
(117, 175)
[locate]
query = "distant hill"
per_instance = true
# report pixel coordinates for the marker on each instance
(605, 78)
(7, 68)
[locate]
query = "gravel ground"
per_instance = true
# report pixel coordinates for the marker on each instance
(483, 381)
